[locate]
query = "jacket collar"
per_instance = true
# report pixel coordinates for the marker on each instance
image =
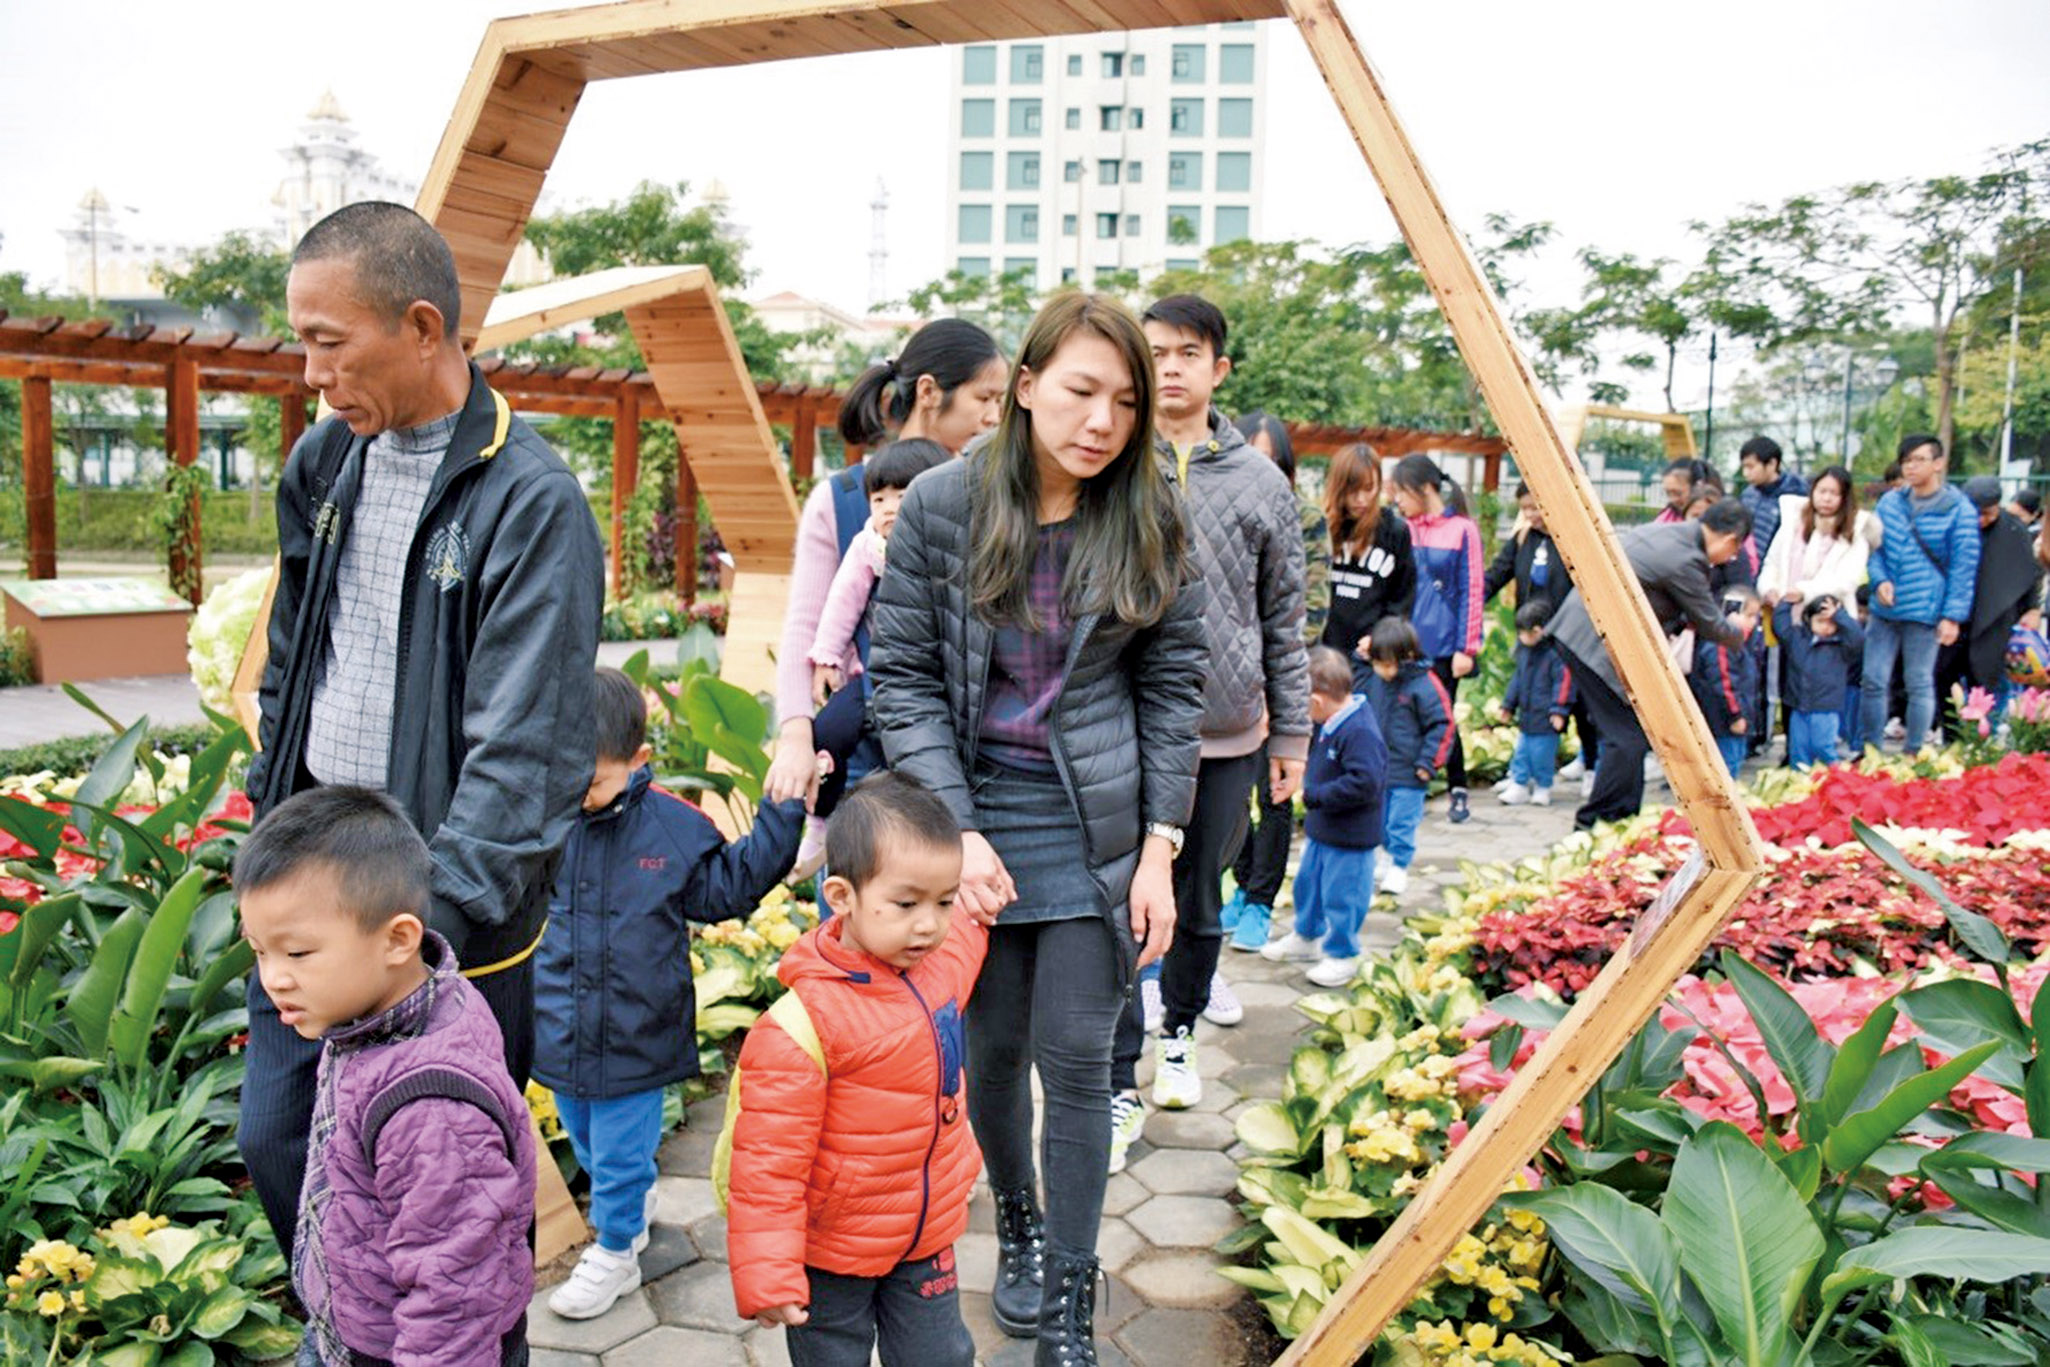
(637, 784)
(1223, 437)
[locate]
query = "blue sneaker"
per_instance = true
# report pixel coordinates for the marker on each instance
(1228, 916)
(1249, 936)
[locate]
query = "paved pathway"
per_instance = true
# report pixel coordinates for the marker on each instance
(1166, 1307)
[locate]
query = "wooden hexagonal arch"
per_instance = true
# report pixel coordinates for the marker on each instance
(508, 124)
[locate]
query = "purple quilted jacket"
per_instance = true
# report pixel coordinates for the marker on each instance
(426, 1258)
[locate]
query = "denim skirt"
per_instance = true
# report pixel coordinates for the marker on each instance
(1031, 823)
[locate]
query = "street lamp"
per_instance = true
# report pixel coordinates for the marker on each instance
(1885, 372)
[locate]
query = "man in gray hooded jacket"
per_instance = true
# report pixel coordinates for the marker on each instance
(1247, 542)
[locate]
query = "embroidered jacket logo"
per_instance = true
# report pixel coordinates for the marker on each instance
(448, 556)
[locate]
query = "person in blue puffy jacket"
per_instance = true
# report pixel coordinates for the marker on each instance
(1923, 574)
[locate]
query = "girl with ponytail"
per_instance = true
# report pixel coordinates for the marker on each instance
(1447, 546)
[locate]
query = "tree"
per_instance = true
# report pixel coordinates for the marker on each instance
(1636, 300)
(1846, 260)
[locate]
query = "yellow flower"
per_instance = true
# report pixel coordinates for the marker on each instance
(1481, 1336)
(16, 1281)
(50, 1303)
(78, 1300)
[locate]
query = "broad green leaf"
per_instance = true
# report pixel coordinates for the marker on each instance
(1975, 932)
(1332, 1203)
(1607, 1322)
(1612, 1239)
(1533, 1013)
(710, 705)
(1745, 1237)
(202, 784)
(1266, 1128)
(39, 828)
(55, 1071)
(1915, 1348)
(1893, 1067)
(1668, 1124)
(2036, 1089)
(2014, 1151)
(1968, 1345)
(1977, 1255)
(1961, 1012)
(39, 926)
(90, 1007)
(1855, 1061)
(1305, 1241)
(264, 1341)
(1857, 1137)
(1803, 1056)
(78, 695)
(1308, 1073)
(130, 1354)
(156, 957)
(1253, 1279)
(221, 1311)
(2002, 1209)
(109, 778)
(1802, 1167)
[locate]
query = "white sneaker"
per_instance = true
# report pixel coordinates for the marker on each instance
(1394, 881)
(1332, 972)
(1127, 1119)
(1576, 768)
(1896, 729)
(1515, 795)
(600, 1279)
(1541, 797)
(1587, 785)
(1176, 1084)
(1498, 785)
(1291, 948)
(1224, 1006)
(1150, 1005)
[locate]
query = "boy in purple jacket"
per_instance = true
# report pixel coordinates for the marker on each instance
(412, 1230)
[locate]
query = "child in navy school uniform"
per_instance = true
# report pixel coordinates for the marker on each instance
(1724, 678)
(1415, 715)
(1819, 651)
(1343, 791)
(1539, 699)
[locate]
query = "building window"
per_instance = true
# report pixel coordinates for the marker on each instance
(1026, 266)
(978, 118)
(1028, 64)
(1107, 171)
(1106, 225)
(1131, 225)
(1182, 263)
(974, 266)
(1138, 64)
(974, 225)
(1072, 172)
(1074, 118)
(1021, 223)
(1233, 223)
(1132, 171)
(977, 169)
(1185, 119)
(1110, 117)
(1068, 227)
(1067, 275)
(1184, 223)
(1135, 119)
(1234, 118)
(1113, 65)
(1074, 64)
(1024, 118)
(978, 66)
(1235, 64)
(1022, 171)
(1188, 63)
(1185, 171)
(1235, 171)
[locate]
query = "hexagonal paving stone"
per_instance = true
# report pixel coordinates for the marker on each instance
(1182, 1280)
(1120, 1195)
(1178, 1338)
(630, 1316)
(684, 1200)
(669, 1247)
(709, 1234)
(1188, 1130)
(698, 1297)
(666, 1347)
(1184, 1221)
(553, 1357)
(766, 1348)
(1280, 994)
(1187, 1172)
(1255, 1079)
(1117, 1243)
(687, 1153)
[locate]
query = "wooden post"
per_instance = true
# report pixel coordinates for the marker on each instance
(626, 472)
(804, 439)
(1692, 906)
(686, 531)
(181, 444)
(1491, 471)
(39, 475)
(291, 425)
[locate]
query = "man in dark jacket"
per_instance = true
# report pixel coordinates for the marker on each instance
(436, 612)
(2009, 588)
(1760, 461)
(1672, 562)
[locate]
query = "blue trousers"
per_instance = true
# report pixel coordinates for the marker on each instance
(1811, 738)
(1400, 816)
(1852, 721)
(1535, 760)
(615, 1141)
(1333, 888)
(1914, 644)
(1733, 748)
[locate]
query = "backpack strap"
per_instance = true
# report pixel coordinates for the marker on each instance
(850, 515)
(788, 1012)
(430, 1083)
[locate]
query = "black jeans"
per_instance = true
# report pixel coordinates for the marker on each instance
(912, 1314)
(1215, 832)
(1455, 763)
(1049, 998)
(1619, 773)
(278, 1088)
(1263, 856)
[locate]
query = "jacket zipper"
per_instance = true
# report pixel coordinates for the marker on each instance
(939, 1070)
(437, 491)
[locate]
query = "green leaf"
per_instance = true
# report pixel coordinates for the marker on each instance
(130, 1354)
(90, 1007)
(202, 784)
(2002, 1209)
(39, 828)
(1803, 1168)
(1946, 1251)
(1533, 1013)
(1745, 1237)
(39, 926)
(1266, 1128)
(1957, 1014)
(1915, 1348)
(222, 1311)
(1967, 1345)
(156, 956)
(78, 695)
(2014, 1151)
(1974, 932)
(264, 1341)
(1857, 1137)
(1855, 1061)
(2036, 1089)
(110, 777)
(1803, 1056)
(1612, 1239)
(234, 961)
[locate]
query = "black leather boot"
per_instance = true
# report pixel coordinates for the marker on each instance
(1067, 1314)
(1021, 1251)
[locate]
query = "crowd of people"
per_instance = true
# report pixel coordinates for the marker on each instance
(1047, 651)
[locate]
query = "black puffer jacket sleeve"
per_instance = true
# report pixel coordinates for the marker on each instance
(295, 553)
(1167, 669)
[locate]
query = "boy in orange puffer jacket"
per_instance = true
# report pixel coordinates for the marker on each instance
(847, 1145)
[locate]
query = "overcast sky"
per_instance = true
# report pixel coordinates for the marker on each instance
(1618, 120)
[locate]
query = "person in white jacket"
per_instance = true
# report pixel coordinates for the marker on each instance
(1819, 551)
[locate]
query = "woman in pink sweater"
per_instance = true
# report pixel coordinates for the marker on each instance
(944, 386)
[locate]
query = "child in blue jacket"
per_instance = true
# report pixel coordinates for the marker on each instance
(1415, 715)
(1539, 699)
(1725, 678)
(1820, 653)
(1342, 793)
(613, 997)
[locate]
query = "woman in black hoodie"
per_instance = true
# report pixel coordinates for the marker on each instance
(1373, 574)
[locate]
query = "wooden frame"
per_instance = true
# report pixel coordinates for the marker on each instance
(1675, 429)
(508, 125)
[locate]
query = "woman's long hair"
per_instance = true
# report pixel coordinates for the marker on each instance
(1846, 513)
(1351, 467)
(950, 350)
(1258, 423)
(1420, 473)
(1129, 555)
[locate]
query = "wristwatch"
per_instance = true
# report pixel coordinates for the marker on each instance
(1171, 834)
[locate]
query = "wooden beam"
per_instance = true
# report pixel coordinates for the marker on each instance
(686, 532)
(181, 444)
(804, 439)
(39, 475)
(626, 473)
